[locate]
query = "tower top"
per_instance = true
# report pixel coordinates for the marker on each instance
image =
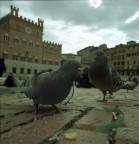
(40, 22)
(14, 12)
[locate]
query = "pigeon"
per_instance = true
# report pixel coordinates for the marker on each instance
(103, 76)
(130, 85)
(50, 88)
(11, 81)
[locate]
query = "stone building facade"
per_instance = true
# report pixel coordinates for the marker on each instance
(124, 57)
(87, 52)
(85, 55)
(23, 48)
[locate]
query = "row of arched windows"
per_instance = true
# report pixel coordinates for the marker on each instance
(23, 42)
(29, 58)
(23, 71)
(30, 44)
(51, 49)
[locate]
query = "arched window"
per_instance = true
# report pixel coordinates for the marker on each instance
(6, 37)
(5, 55)
(51, 49)
(35, 71)
(36, 59)
(44, 47)
(56, 62)
(37, 45)
(16, 40)
(22, 57)
(30, 44)
(22, 70)
(28, 71)
(24, 42)
(14, 70)
(57, 50)
(29, 58)
(15, 57)
(17, 27)
(43, 61)
(50, 62)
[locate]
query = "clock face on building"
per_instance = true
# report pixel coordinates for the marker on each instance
(28, 30)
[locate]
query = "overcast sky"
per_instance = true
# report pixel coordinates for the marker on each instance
(77, 24)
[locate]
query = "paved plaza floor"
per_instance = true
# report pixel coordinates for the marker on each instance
(20, 125)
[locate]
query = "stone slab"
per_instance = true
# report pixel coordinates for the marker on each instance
(36, 131)
(22, 126)
(84, 137)
(93, 119)
(130, 133)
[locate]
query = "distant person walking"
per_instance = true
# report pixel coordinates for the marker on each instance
(84, 81)
(2, 67)
(11, 81)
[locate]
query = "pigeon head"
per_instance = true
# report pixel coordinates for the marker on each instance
(100, 56)
(73, 66)
(98, 65)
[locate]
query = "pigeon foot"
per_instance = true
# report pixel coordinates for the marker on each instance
(57, 110)
(37, 111)
(110, 97)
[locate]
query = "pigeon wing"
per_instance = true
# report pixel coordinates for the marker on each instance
(116, 80)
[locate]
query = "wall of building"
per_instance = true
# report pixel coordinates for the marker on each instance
(23, 69)
(85, 56)
(124, 57)
(22, 45)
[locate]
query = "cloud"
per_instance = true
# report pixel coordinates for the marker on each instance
(76, 37)
(95, 3)
(132, 18)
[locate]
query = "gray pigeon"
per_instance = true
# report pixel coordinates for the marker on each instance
(130, 85)
(50, 88)
(104, 77)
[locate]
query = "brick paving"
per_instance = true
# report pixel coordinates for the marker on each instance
(20, 125)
